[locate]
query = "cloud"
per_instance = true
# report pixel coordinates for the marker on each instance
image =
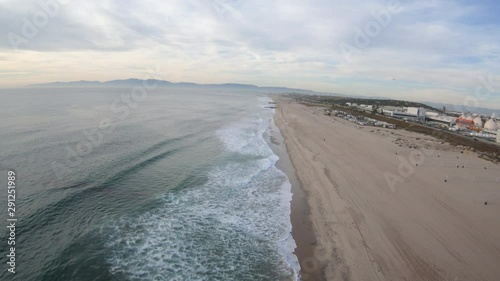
(13, 73)
(428, 45)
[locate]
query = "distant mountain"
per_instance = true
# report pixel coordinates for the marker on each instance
(134, 82)
(461, 108)
(163, 83)
(81, 83)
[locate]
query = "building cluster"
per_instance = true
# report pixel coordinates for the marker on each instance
(360, 120)
(406, 113)
(478, 123)
(478, 126)
(363, 107)
(473, 125)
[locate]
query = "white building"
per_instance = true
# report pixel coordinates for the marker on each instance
(478, 122)
(491, 126)
(448, 120)
(407, 113)
(431, 114)
(364, 107)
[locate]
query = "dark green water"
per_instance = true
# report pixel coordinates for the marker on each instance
(179, 185)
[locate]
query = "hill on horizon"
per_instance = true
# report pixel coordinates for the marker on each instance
(362, 99)
(164, 83)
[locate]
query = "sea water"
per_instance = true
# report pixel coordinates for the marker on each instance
(180, 185)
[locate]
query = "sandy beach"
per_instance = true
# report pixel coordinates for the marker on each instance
(390, 204)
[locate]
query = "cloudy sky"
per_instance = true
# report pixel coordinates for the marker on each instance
(425, 50)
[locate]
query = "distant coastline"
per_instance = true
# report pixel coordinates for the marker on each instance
(131, 82)
(164, 83)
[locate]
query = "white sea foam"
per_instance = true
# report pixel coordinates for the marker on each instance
(234, 227)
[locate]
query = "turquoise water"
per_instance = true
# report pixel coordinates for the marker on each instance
(180, 185)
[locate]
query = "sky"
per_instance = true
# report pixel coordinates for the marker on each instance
(426, 50)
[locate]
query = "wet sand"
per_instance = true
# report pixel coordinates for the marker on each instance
(389, 204)
(302, 229)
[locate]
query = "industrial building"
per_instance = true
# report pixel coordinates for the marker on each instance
(412, 113)
(440, 118)
(472, 125)
(478, 128)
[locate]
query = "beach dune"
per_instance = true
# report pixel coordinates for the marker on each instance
(391, 204)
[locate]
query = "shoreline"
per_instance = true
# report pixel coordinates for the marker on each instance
(419, 228)
(302, 228)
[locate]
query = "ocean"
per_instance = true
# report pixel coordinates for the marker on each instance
(166, 184)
